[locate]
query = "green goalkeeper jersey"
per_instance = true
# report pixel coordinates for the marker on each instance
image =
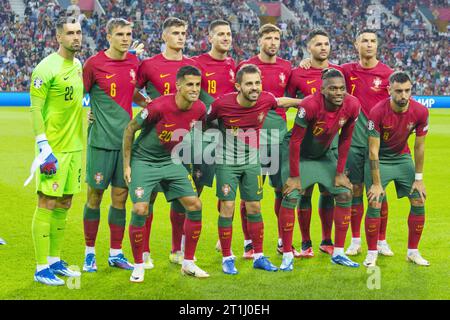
(57, 92)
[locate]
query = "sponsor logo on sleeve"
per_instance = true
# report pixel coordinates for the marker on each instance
(370, 125)
(37, 83)
(301, 112)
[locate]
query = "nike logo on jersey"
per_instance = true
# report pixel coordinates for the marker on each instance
(310, 81)
(169, 125)
(164, 75)
(353, 78)
(235, 120)
(109, 76)
(259, 192)
(210, 74)
(65, 78)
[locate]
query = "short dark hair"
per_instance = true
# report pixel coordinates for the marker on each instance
(173, 22)
(117, 22)
(188, 71)
(399, 77)
(217, 23)
(65, 20)
(366, 30)
(268, 28)
(316, 32)
(246, 68)
(329, 73)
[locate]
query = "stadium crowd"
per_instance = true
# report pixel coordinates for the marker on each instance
(25, 43)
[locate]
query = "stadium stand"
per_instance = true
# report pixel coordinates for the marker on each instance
(421, 52)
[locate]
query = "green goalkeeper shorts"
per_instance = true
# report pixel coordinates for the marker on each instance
(67, 179)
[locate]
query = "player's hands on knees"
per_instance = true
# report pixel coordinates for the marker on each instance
(137, 48)
(419, 186)
(90, 117)
(305, 64)
(50, 164)
(341, 180)
(375, 193)
(292, 183)
(127, 174)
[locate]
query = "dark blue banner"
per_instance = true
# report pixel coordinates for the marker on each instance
(22, 99)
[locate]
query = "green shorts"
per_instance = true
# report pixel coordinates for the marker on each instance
(277, 154)
(203, 174)
(175, 180)
(401, 172)
(321, 171)
(356, 160)
(104, 167)
(67, 179)
(247, 177)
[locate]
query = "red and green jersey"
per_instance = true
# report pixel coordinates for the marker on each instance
(218, 77)
(369, 85)
(394, 128)
(163, 126)
(159, 75)
(316, 127)
(240, 127)
(275, 78)
(110, 84)
(305, 82)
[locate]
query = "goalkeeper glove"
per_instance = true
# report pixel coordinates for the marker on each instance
(50, 164)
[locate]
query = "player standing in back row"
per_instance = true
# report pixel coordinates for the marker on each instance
(303, 83)
(110, 79)
(367, 80)
(56, 106)
(275, 74)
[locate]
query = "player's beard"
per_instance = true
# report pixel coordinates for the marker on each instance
(402, 104)
(250, 95)
(270, 54)
(73, 49)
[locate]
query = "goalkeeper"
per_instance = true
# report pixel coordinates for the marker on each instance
(56, 107)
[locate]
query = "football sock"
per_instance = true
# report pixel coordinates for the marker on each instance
(225, 226)
(52, 260)
(342, 216)
(246, 242)
(372, 227)
(338, 252)
(41, 267)
(89, 250)
(148, 228)
(177, 217)
(255, 227)
(114, 252)
(116, 221)
(416, 222)
(243, 211)
(57, 230)
(384, 220)
(192, 230)
(136, 233)
(357, 213)
(287, 221)
(91, 220)
(326, 208)
(304, 217)
(277, 205)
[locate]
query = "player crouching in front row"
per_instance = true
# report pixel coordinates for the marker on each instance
(391, 122)
(149, 162)
(319, 119)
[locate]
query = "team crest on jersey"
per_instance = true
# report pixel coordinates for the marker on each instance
(37, 83)
(55, 186)
(133, 74)
(370, 125)
(342, 121)
(144, 114)
(376, 84)
(231, 75)
(261, 117)
(139, 192)
(282, 79)
(98, 178)
(301, 112)
(226, 189)
(410, 126)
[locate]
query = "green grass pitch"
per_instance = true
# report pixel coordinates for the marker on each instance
(316, 278)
